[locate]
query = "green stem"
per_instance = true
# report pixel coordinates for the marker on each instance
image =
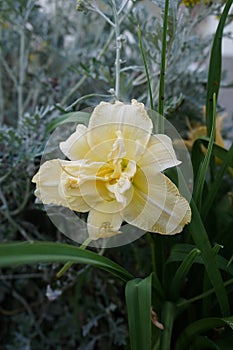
(118, 50)
(163, 68)
(202, 295)
(21, 72)
(202, 242)
(70, 263)
(146, 68)
(159, 256)
(152, 246)
(168, 316)
(23, 58)
(102, 52)
(201, 176)
(83, 98)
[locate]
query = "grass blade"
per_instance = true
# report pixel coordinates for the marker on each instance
(200, 326)
(201, 176)
(182, 271)
(72, 117)
(202, 242)
(168, 316)
(163, 68)
(217, 150)
(138, 299)
(217, 183)
(180, 251)
(14, 254)
(215, 67)
(146, 68)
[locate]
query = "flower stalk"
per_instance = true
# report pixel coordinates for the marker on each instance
(70, 263)
(118, 50)
(163, 68)
(168, 316)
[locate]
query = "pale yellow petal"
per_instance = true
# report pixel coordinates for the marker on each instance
(76, 146)
(98, 197)
(159, 153)
(131, 120)
(103, 225)
(51, 187)
(156, 205)
(118, 150)
(79, 182)
(90, 181)
(218, 137)
(47, 181)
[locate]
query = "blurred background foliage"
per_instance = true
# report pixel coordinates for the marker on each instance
(58, 56)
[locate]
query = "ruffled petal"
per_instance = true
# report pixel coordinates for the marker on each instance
(47, 181)
(159, 153)
(54, 186)
(156, 205)
(76, 146)
(81, 185)
(131, 120)
(103, 225)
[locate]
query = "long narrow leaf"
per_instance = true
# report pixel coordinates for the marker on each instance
(138, 299)
(217, 150)
(182, 271)
(163, 67)
(72, 117)
(200, 326)
(168, 317)
(146, 68)
(180, 251)
(201, 176)
(203, 343)
(217, 183)
(201, 240)
(197, 156)
(13, 254)
(215, 66)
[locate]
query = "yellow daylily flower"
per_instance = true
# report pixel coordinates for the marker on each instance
(115, 173)
(192, 3)
(199, 130)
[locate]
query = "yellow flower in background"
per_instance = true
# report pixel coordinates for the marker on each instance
(115, 173)
(192, 3)
(199, 130)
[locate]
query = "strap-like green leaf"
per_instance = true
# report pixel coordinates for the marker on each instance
(146, 68)
(201, 175)
(72, 117)
(138, 299)
(203, 343)
(201, 239)
(215, 66)
(217, 150)
(13, 254)
(197, 157)
(180, 251)
(200, 326)
(202, 242)
(217, 183)
(163, 67)
(182, 271)
(168, 317)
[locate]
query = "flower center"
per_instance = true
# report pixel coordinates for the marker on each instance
(111, 180)
(120, 180)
